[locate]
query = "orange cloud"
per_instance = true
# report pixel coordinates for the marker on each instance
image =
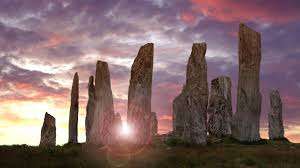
(291, 102)
(232, 10)
(188, 18)
(56, 39)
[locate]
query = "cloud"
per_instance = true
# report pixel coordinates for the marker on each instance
(12, 38)
(261, 11)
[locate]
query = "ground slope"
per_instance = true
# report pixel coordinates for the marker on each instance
(171, 155)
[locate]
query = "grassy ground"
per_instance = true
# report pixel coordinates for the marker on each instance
(174, 154)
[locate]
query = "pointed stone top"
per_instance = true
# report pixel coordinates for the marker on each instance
(49, 115)
(143, 61)
(243, 28)
(91, 79)
(197, 45)
(196, 68)
(198, 53)
(246, 28)
(76, 75)
(49, 119)
(148, 45)
(99, 62)
(274, 91)
(221, 77)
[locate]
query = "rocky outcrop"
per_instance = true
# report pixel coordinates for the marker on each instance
(195, 97)
(90, 108)
(153, 123)
(48, 132)
(73, 117)
(102, 127)
(276, 129)
(247, 116)
(219, 108)
(179, 105)
(139, 95)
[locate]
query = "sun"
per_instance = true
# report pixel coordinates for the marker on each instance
(125, 129)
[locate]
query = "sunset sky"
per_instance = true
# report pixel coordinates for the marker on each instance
(44, 42)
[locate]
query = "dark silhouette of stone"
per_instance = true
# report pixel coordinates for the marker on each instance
(219, 108)
(195, 98)
(102, 128)
(48, 132)
(73, 117)
(153, 124)
(139, 95)
(90, 108)
(246, 120)
(276, 129)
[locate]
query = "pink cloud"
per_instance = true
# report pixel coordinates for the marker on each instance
(291, 102)
(232, 10)
(188, 18)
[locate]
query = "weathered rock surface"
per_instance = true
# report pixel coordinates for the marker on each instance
(48, 132)
(195, 98)
(246, 119)
(102, 126)
(154, 123)
(139, 95)
(179, 106)
(276, 129)
(73, 117)
(90, 108)
(219, 108)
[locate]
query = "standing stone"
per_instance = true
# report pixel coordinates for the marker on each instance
(90, 108)
(219, 108)
(117, 127)
(246, 119)
(153, 124)
(48, 132)
(73, 117)
(178, 114)
(195, 98)
(276, 130)
(139, 95)
(102, 128)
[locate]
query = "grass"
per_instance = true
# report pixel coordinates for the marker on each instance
(171, 154)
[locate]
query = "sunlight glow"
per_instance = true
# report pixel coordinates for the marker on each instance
(125, 130)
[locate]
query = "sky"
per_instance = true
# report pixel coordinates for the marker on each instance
(43, 43)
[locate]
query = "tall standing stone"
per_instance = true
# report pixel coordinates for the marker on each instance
(246, 119)
(195, 98)
(154, 123)
(90, 108)
(178, 114)
(219, 108)
(102, 128)
(276, 129)
(139, 95)
(48, 132)
(73, 117)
